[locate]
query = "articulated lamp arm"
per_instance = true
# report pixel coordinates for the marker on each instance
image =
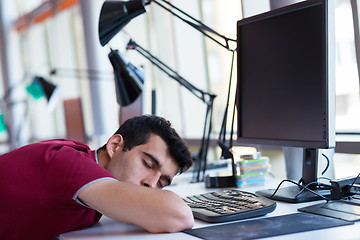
(199, 26)
(115, 15)
(204, 96)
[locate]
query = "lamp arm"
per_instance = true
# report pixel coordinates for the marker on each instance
(205, 141)
(197, 25)
(222, 135)
(91, 74)
(7, 94)
(204, 96)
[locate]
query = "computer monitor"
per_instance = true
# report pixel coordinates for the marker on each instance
(285, 87)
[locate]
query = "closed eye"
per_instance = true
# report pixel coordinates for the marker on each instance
(154, 163)
(146, 164)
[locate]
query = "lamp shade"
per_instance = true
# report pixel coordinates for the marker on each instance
(129, 80)
(47, 87)
(115, 15)
(41, 87)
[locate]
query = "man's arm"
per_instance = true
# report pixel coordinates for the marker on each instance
(152, 209)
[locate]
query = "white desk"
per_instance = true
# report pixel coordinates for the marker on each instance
(108, 229)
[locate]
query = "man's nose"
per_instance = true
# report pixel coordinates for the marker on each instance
(150, 181)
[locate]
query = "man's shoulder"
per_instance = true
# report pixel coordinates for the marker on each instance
(55, 145)
(63, 142)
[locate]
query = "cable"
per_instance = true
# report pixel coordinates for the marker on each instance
(303, 187)
(310, 184)
(327, 165)
(354, 181)
(326, 178)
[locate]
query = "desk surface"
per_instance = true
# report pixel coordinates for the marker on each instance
(108, 229)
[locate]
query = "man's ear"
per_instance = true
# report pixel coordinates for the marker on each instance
(115, 142)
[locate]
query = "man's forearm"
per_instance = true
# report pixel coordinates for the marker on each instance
(152, 209)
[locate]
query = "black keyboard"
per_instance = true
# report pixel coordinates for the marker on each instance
(228, 205)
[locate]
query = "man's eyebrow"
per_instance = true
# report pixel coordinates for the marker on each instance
(154, 159)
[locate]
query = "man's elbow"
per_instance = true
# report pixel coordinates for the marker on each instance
(181, 221)
(186, 221)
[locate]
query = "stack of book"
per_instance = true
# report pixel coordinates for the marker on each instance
(252, 169)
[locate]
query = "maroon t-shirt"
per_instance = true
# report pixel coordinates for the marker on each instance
(39, 184)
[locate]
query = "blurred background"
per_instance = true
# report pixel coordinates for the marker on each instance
(57, 40)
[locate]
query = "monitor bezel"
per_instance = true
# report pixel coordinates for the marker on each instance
(328, 77)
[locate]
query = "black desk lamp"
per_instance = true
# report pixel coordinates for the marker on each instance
(116, 14)
(129, 80)
(41, 87)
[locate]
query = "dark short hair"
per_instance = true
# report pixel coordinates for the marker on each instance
(137, 130)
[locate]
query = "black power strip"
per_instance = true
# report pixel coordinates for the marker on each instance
(341, 188)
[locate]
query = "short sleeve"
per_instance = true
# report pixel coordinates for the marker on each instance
(68, 171)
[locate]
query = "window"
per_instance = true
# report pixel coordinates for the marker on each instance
(47, 41)
(58, 42)
(347, 75)
(46, 45)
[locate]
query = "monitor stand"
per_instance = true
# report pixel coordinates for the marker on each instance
(290, 194)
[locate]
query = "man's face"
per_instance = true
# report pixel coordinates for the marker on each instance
(147, 165)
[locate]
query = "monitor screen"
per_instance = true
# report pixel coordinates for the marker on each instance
(285, 88)
(285, 91)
